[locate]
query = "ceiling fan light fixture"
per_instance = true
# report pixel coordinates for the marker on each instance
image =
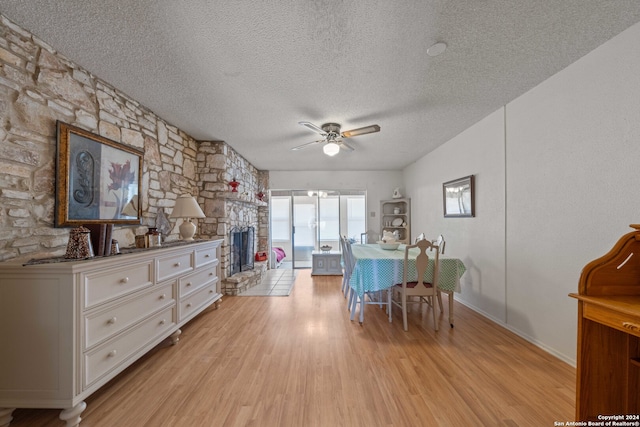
(331, 149)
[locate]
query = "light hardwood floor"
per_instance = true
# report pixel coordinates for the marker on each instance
(299, 361)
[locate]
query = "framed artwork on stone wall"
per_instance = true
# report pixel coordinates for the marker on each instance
(97, 180)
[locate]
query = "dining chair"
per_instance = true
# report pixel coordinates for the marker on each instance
(347, 264)
(375, 297)
(368, 237)
(440, 243)
(419, 237)
(425, 291)
(350, 263)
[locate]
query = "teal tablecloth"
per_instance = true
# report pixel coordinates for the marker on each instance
(378, 269)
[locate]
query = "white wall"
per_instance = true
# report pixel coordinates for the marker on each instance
(556, 187)
(378, 184)
(478, 241)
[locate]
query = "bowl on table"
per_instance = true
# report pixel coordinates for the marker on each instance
(389, 246)
(325, 248)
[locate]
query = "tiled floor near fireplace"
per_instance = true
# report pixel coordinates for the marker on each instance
(275, 282)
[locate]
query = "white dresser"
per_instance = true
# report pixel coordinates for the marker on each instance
(67, 328)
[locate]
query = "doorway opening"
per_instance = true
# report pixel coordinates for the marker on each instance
(301, 221)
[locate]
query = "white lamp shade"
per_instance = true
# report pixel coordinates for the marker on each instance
(331, 149)
(187, 207)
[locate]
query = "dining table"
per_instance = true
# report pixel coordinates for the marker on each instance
(377, 269)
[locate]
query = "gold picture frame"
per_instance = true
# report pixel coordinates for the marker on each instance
(97, 180)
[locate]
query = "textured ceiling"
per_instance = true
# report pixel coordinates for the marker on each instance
(246, 72)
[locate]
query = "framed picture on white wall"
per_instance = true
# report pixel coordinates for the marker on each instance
(458, 197)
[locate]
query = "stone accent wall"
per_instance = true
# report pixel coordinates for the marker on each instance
(218, 164)
(39, 86)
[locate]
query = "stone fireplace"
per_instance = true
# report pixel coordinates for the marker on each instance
(227, 210)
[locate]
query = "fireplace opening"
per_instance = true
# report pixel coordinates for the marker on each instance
(241, 241)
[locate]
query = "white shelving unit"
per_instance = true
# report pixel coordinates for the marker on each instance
(395, 215)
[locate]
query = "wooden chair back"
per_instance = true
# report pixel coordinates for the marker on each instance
(422, 263)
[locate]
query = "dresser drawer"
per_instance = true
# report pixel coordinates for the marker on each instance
(196, 301)
(103, 324)
(195, 281)
(110, 355)
(612, 318)
(109, 284)
(173, 265)
(206, 255)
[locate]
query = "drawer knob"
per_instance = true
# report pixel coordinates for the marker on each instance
(112, 320)
(124, 280)
(631, 326)
(207, 256)
(177, 264)
(211, 273)
(162, 322)
(188, 283)
(189, 305)
(163, 296)
(112, 353)
(210, 291)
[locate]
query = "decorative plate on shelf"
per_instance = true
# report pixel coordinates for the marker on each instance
(397, 222)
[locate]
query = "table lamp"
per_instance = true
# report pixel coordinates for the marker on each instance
(186, 207)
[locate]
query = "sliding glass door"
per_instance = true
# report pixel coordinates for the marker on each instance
(305, 228)
(302, 221)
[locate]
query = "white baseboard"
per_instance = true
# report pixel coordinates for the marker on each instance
(521, 334)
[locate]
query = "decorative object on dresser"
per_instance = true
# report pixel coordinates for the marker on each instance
(608, 368)
(79, 245)
(395, 218)
(186, 207)
(97, 180)
(101, 238)
(162, 223)
(70, 327)
(458, 197)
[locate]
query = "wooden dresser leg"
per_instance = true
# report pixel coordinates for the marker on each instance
(175, 337)
(72, 415)
(5, 416)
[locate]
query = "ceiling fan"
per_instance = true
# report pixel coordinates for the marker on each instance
(333, 138)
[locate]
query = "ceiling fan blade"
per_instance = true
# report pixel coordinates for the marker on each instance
(308, 144)
(346, 146)
(313, 127)
(361, 131)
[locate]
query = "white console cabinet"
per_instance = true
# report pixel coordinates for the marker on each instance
(326, 263)
(67, 328)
